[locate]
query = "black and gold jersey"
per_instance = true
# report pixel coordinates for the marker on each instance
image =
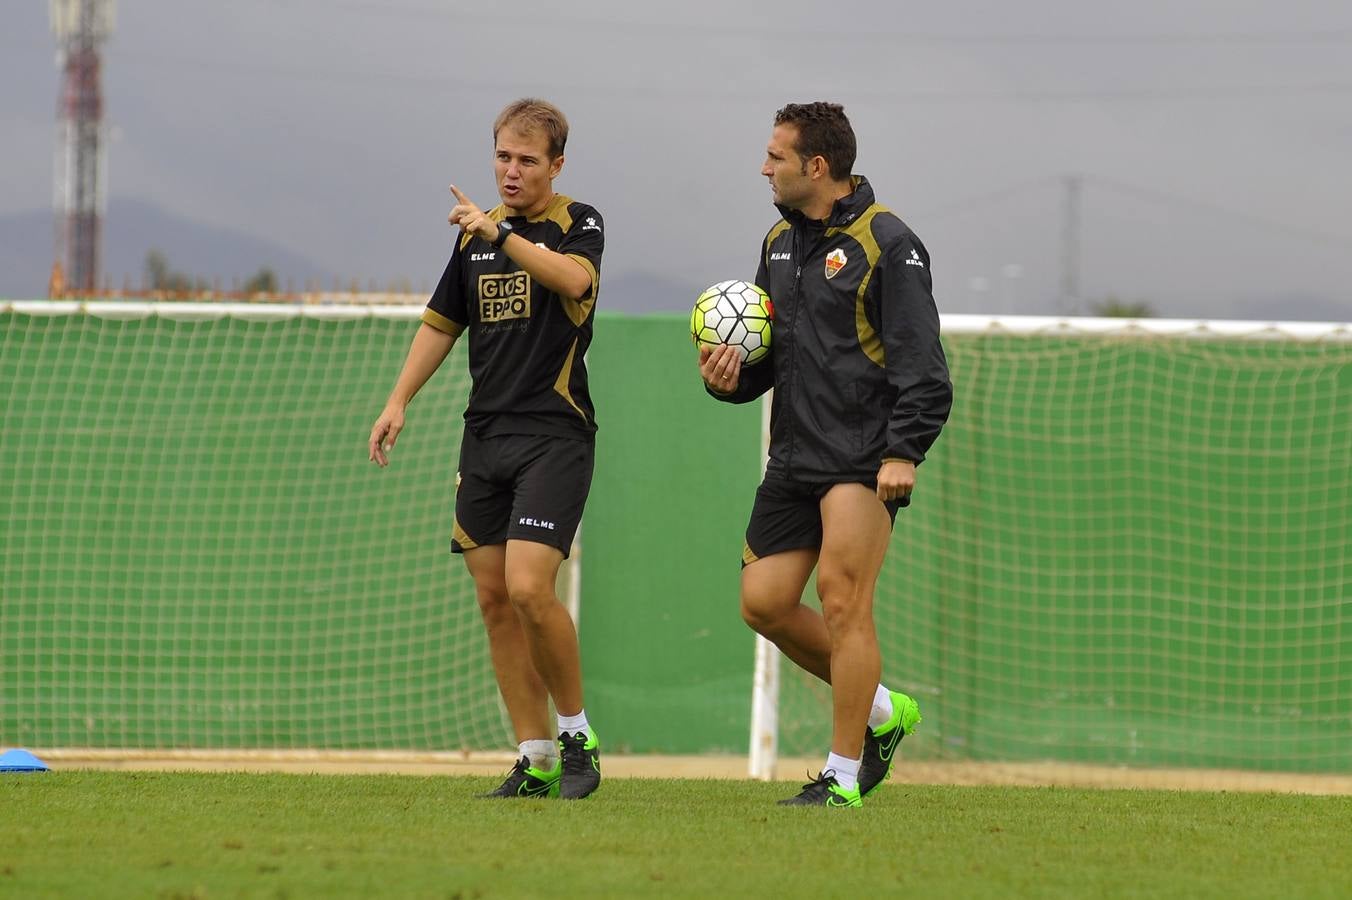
(526, 343)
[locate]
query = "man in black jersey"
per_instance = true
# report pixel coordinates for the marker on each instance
(522, 281)
(861, 391)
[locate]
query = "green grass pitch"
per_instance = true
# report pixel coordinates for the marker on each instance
(119, 834)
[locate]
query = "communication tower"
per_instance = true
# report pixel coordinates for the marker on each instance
(81, 27)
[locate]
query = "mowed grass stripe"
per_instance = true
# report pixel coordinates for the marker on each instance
(119, 834)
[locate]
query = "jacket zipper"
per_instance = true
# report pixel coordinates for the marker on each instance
(791, 381)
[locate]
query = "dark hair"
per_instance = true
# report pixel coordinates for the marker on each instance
(823, 130)
(529, 115)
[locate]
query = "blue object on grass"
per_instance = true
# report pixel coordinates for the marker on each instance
(21, 761)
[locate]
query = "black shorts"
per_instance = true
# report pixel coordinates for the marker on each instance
(520, 487)
(787, 516)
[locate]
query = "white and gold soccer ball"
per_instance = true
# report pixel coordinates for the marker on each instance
(736, 313)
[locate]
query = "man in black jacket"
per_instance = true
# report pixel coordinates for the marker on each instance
(861, 392)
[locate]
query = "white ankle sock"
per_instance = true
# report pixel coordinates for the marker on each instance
(882, 707)
(573, 724)
(543, 754)
(847, 771)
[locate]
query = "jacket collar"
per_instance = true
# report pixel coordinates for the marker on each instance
(843, 211)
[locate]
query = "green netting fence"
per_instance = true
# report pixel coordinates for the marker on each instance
(1126, 548)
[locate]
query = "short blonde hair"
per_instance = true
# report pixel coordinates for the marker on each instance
(529, 115)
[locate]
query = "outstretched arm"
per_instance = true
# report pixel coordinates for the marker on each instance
(430, 347)
(562, 274)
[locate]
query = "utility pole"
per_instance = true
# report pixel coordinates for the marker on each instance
(1070, 245)
(81, 27)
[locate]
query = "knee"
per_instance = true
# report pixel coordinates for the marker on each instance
(846, 600)
(753, 615)
(495, 607)
(531, 597)
(760, 613)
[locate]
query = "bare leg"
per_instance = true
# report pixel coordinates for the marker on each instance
(531, 570)
(523, 692)
(772, 593)
(855, 533)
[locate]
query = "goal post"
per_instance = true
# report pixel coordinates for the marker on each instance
(764, 752)
(1130, 546)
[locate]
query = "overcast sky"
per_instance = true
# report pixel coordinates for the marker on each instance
(1211, 139)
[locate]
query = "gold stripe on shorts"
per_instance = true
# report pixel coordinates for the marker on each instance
(460, 537)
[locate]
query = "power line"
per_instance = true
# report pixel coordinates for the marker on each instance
(723, 28)
(1214, 92)
(1070, 241)
(990, 198)
(185, 64)
(978, 201)
(1174, 200)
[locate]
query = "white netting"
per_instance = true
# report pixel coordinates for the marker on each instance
(196, 553)
(1131, 545)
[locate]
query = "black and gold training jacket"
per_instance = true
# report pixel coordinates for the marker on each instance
(526, 343)
(855, 359)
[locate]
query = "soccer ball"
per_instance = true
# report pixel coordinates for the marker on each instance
(736, 313)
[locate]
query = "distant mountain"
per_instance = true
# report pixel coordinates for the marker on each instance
(641, 292)
(132, 228)
(25, 255)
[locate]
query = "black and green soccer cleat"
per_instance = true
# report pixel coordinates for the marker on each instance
(824, 791)
(581, 764)
(527, 781)
(880, 744)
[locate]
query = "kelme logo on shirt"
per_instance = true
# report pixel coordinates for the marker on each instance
(503, 297)
(835, 261)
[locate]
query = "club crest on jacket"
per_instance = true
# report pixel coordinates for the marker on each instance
(835, 261)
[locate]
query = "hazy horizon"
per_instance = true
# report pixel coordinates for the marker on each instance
(1208, 140)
